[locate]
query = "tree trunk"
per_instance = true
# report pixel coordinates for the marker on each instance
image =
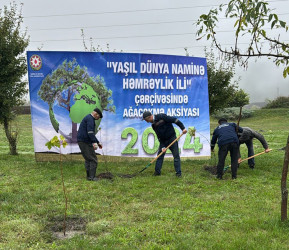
(284, 191)
(11, 137)
(74, 133)
(238, 122)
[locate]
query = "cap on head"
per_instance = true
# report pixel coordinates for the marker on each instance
(146, 114)
(97, 110)
(222, 120)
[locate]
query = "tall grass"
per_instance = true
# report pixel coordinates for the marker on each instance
(146, 212)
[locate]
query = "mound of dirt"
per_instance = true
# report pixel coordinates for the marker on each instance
(211, 169)
(107, 175)
(126, 175)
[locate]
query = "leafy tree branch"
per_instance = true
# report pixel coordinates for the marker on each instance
(251, 19)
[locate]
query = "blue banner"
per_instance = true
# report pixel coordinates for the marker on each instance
(66, 86)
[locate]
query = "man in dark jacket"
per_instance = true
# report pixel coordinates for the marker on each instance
(162, 125)
(87, 142)
(247, 137)
(226, 135)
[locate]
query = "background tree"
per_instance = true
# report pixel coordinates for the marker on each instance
(251, 18)
(279, 102)
(69, 86)
(223, 89)
(239, 99)
(13, 43)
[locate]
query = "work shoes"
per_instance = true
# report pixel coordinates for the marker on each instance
(157, 174)
(93, 179)
(179, 175)
(219, 177)
(252, 166)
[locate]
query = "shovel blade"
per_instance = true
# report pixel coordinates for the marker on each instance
(225, 169)
(145, 167)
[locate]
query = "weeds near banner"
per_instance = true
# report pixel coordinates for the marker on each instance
(58, 142)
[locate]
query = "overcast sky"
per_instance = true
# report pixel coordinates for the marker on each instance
(144, 26)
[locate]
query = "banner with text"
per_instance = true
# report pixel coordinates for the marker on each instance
(66, 86)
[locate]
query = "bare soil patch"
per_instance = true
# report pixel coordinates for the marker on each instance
(211, 169)
(74, 226)
(107, 175)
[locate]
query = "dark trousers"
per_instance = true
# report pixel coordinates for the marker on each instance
(223, 151)
(249, 144)
(90, 158)
(175, 151)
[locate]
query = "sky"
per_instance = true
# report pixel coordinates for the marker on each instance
(145, 26)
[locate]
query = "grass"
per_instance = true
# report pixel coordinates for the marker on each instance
(146, 212)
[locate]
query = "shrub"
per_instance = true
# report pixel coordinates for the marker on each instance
(233, 113)
(279, 102)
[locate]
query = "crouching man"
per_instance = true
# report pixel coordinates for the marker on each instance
(247, 137)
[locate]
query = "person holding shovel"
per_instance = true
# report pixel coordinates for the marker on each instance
(227, 138)
(162, 125)
(87, 143)
(247, 137)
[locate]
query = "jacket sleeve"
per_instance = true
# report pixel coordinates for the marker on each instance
(180, 124)
(261, 139)
(240, 130)
(91, 132)
(214, 140)
(171, 119)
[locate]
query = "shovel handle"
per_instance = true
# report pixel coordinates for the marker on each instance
(255, 155)
(225, 168)
(167, 148)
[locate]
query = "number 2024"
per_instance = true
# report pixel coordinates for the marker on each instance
(196, 145)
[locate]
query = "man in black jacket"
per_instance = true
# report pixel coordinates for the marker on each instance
(226, 135)
(162, 125)
(247, 137)
(87, 143)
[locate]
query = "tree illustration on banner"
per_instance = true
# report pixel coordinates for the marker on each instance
(72, 88)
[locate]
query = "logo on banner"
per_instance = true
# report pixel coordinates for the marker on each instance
(35, 62)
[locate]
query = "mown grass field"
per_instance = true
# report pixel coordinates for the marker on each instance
(145, 212)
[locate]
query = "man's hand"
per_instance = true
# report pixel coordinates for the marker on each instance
(185, 131)
(268, 150)
(239, 160)
(95, 146)
(164, 149)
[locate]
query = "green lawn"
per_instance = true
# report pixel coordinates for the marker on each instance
(145, 212)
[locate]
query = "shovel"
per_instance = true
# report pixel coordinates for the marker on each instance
(161, 153)
(225, 168)
(133, 175)
(191, 132)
